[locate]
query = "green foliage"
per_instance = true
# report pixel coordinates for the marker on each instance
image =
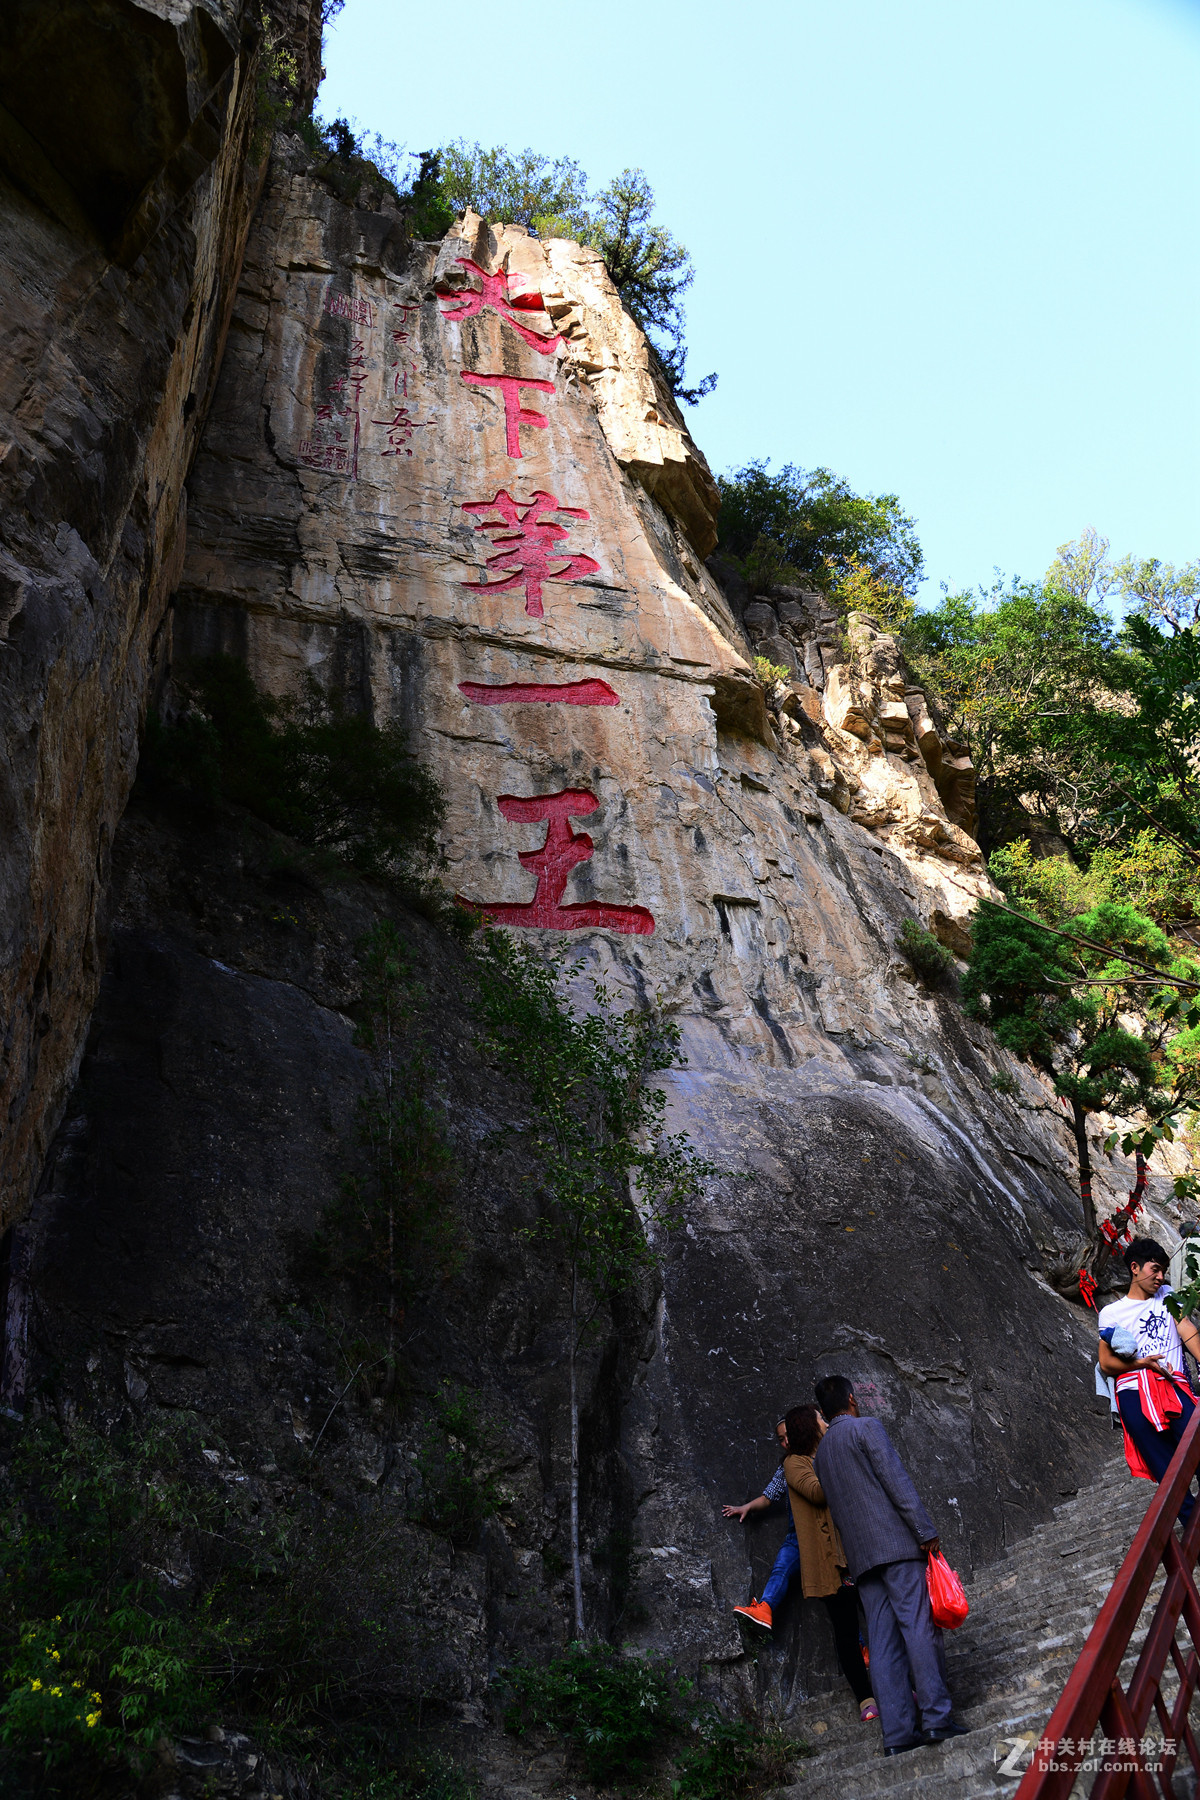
(1094, 729)
(1019, 673)
(733, 1759)
(622, 1713)
(855, 588)
(810, 526)
(1150, 873)
(595, 1119)
(551, 199)
(326, 776)
(459, 1491)
(649, 268)
(142, 1580)
(1059, 1005)
(767, 673)
(432, 1776)
(1065, 1007)
(616, 1711)
(99, 1653)
(930, 959)
(596, 1116)
(277, 84)
(1146, 751)
(393, 1231)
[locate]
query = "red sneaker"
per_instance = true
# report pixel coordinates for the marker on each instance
(758, 1613)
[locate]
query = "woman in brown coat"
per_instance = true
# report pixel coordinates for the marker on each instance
(822, 1559)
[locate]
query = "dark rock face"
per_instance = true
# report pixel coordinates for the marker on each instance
(882, 1210)
(210, 1129)
(871, 1252)
(167, 1254)
(126, 188)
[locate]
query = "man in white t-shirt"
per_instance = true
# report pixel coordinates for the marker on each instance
(1153, 1397)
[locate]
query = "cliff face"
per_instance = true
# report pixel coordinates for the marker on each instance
(127, 181)
(446, 480)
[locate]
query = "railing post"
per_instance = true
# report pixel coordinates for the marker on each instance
(1092, 1689)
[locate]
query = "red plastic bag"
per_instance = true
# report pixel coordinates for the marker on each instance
(946, 1595)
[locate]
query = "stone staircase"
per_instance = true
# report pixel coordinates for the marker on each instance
(1030, 1613)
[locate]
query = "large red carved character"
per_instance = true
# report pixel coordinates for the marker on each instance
(552, 864)
(501, 293)
(527, 543)
(561, 693)
(515, 415)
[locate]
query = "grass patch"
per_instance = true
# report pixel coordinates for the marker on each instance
(625, 1718)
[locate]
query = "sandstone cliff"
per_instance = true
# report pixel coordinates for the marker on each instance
(128, 174)
(447, 480)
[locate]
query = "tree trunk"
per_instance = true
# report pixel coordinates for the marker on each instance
(1079, 1121)
(576, 1566)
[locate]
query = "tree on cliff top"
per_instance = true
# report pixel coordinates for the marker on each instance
(649, 268)
(611, 1174)
(808, 526)
(1069, 1005)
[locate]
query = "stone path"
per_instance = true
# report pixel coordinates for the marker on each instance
(1030, 1613)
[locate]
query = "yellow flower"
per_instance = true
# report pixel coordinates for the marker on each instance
(35, 1685)
(96, 1702)
(93, 1719)
(57, 1692)
(56, 1656)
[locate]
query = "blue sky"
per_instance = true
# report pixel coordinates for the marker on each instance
(949, 250)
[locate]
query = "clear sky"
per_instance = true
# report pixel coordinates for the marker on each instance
(947, 249)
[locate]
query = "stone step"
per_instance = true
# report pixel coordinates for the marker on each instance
(1031, 1612)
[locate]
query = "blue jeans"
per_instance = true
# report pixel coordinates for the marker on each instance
(785, 1566)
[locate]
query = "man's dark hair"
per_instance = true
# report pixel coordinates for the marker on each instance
(833, 1394)
(803, 1432)
(1144, 1250)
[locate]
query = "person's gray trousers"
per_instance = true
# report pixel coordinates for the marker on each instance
(906, 1652)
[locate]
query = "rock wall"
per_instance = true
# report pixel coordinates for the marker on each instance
(443, 479)
(447, 480)
(127, 182)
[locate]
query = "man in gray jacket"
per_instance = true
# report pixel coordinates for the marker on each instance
(887, 1535)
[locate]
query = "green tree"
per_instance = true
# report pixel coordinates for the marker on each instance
(1021, 672)
(649, 268)
(1064, 1005)
(613, 1179)
(810, 526)
(550, 198)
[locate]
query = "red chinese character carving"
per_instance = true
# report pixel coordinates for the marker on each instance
(552, 864)
(565, 693)
(400, 429)
(346, 306)
(527, 544)
(515, 415)
(325, 451)
(500, 294)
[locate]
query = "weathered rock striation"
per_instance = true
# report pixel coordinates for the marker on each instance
(442, 479)
(448, 481)
(128, 176)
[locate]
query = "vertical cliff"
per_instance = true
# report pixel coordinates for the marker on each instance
(129, 169)
(447, 481)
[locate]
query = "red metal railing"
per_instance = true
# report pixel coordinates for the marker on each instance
(1094, 1705)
